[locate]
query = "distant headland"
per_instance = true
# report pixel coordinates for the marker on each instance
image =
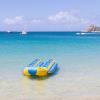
(92, 28)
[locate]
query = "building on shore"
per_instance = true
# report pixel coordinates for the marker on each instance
(93, 28)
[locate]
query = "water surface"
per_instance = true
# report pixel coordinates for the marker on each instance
(78, 57)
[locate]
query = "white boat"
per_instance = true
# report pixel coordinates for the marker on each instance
(81, 33)
(8, 31)
(23, 32)
(78, 33)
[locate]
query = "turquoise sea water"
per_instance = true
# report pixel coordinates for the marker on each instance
(78, 57)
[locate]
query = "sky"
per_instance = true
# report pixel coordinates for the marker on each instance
(48, 15)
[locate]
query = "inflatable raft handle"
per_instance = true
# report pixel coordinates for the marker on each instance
(34, 62)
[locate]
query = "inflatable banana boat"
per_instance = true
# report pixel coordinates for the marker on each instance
(40, 68)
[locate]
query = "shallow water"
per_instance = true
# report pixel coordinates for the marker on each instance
(78, 77)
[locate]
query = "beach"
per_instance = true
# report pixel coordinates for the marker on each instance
(78, 77)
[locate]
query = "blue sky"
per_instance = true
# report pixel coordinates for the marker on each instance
(48, 15)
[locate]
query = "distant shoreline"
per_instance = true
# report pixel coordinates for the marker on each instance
(53, 31)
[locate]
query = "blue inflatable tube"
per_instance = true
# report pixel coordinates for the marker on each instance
(40, 68)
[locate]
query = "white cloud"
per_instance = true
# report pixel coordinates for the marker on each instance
(19, 20)
(65, 17)
(36, 21)
(61, 19)
(13, 21)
